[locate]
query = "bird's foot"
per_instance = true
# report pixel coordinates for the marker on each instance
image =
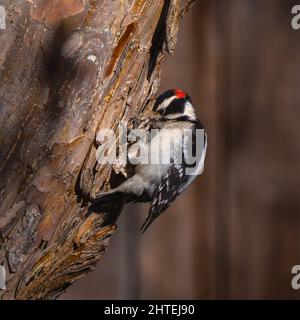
(120, 167)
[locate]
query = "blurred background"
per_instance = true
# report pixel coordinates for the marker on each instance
(235, 233)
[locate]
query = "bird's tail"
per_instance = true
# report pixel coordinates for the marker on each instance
(146, 224)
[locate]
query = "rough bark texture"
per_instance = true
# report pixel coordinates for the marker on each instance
(68, 69)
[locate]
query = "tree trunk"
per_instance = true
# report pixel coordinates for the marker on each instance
(68, 69)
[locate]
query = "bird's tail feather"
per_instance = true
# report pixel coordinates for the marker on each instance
(146, 224)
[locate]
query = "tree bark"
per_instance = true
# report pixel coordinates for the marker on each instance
(68, 69)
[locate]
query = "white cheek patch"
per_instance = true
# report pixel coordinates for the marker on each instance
(173, 116)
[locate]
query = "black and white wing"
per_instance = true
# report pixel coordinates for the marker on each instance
(165, 193)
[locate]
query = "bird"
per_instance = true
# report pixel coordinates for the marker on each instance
(173, 118)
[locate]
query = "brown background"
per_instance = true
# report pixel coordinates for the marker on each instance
(236, 232)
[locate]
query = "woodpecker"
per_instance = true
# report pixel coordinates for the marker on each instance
(160, 183)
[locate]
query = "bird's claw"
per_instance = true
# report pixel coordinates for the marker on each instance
(120, 167)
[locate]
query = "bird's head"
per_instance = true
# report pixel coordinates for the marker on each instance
(175, 104)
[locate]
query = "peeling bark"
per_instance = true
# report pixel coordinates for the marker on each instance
(68, 69)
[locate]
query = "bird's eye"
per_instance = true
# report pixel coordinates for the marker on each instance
(162, 110)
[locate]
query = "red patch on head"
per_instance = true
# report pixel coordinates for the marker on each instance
(180, 94)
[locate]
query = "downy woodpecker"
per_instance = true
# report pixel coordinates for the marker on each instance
(173, 117)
